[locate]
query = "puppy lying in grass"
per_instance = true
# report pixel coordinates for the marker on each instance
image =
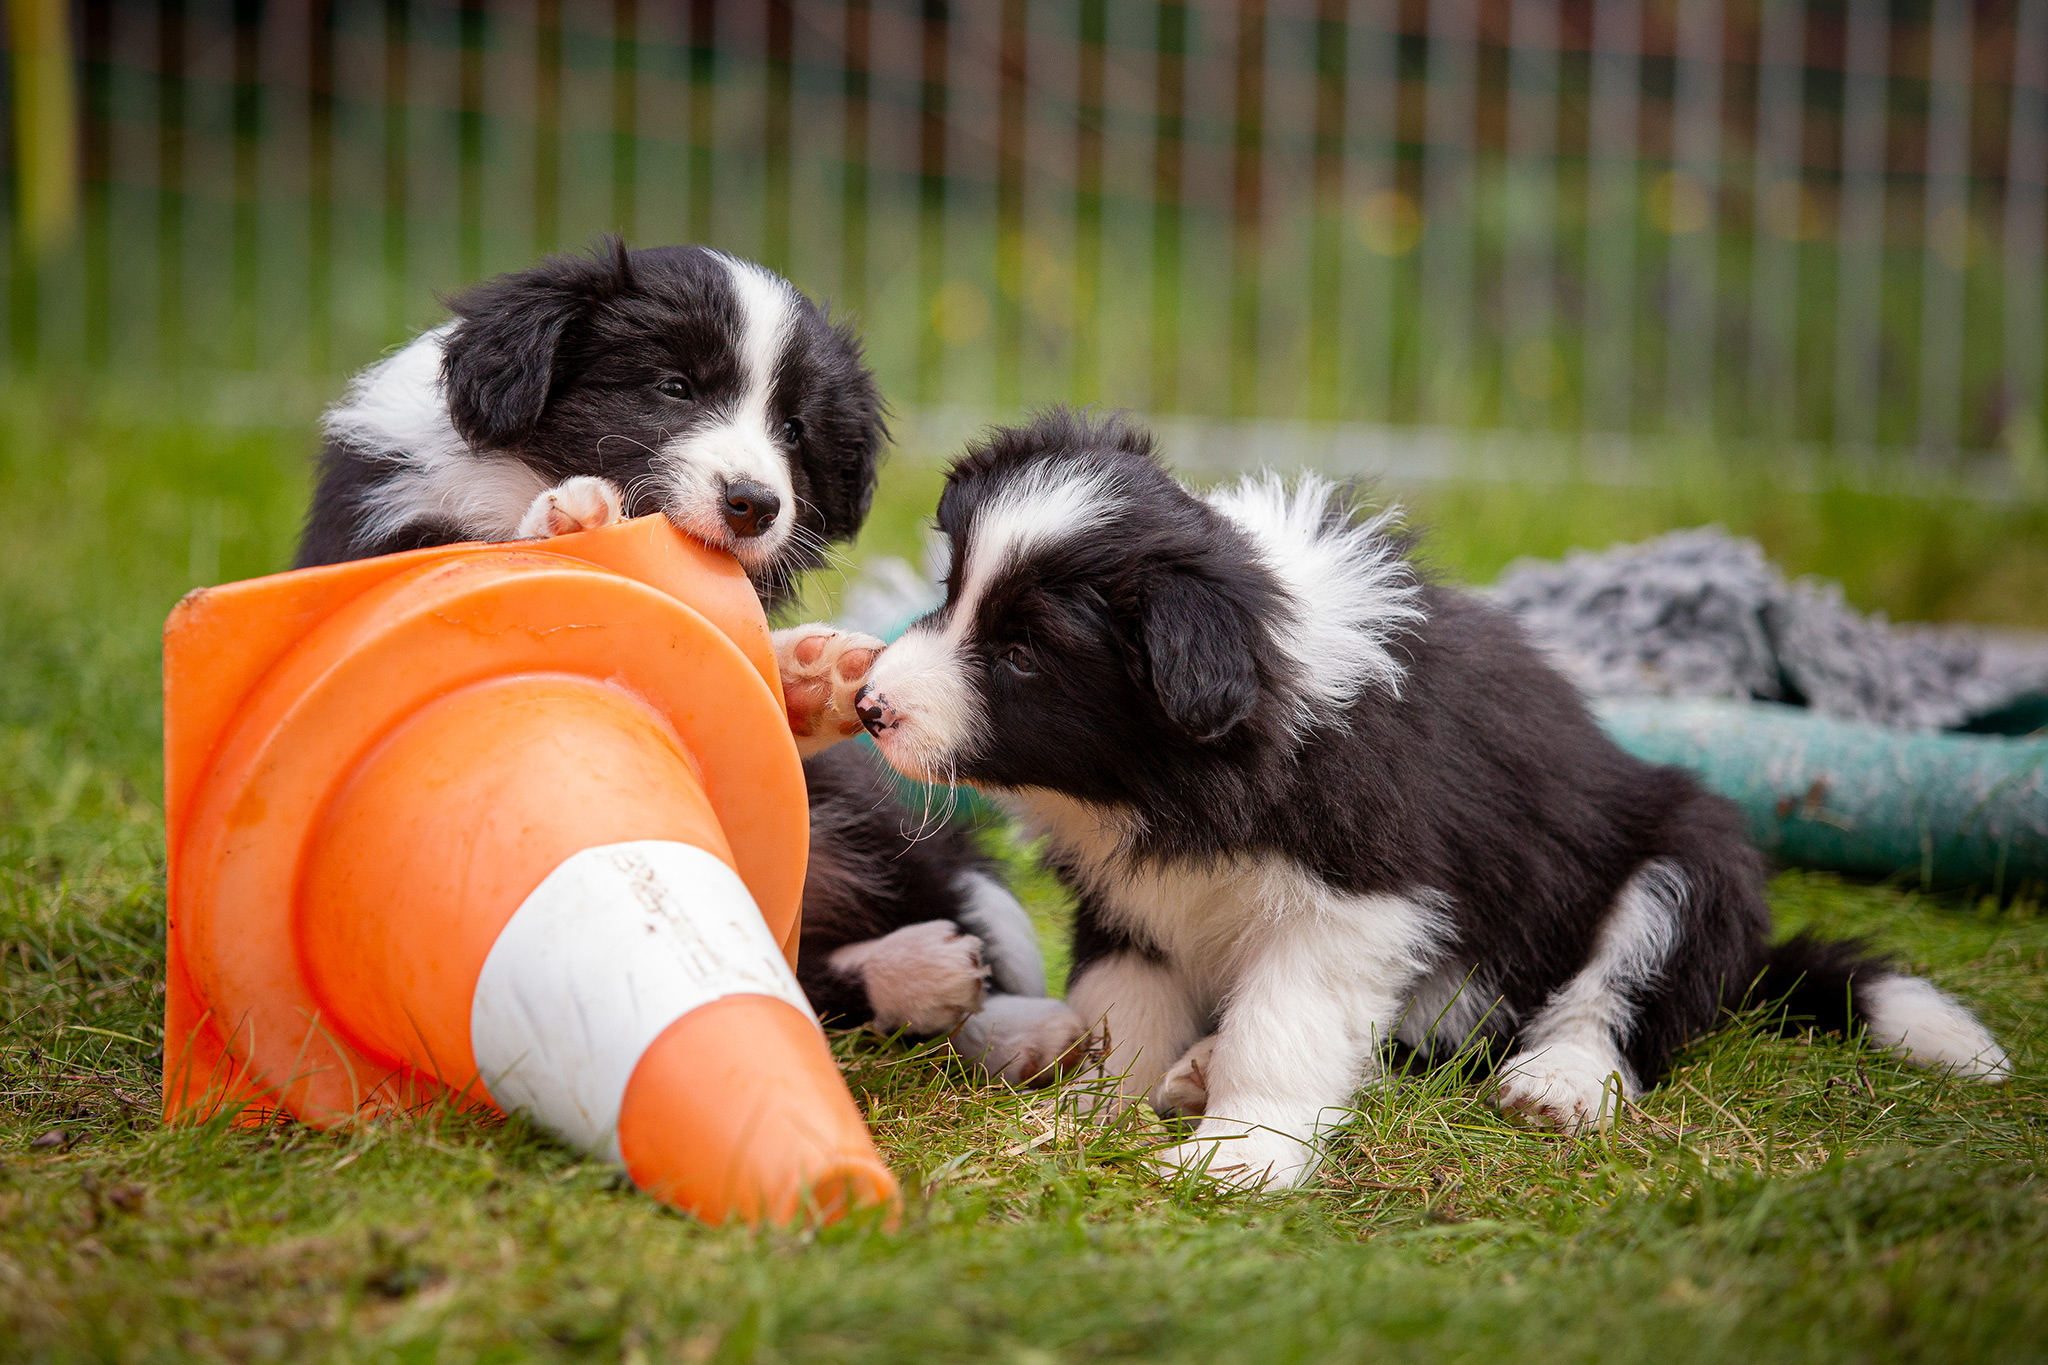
(1311, 804)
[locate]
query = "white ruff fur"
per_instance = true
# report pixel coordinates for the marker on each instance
(743, 444)
(1304, 983)
(1570, 1068)
(1350, 590)
(397, 411)
(1927, 1026)
(924, 675)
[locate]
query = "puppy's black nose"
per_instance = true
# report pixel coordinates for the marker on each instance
(870, 714)
(750, 507)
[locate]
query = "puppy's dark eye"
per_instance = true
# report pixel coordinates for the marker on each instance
(678, 389)
(793, 430)
(1017, 658)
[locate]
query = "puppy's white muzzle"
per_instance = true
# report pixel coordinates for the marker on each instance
(922, 706)
(702, 468)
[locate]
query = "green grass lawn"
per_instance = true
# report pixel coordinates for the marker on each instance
(1775, 1199)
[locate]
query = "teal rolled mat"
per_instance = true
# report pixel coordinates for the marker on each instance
(1946, 809)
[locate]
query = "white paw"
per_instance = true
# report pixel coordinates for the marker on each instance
(1241, 1156)
(583, 503)
(1564, 1086)
(1184, 1089)
(822, 668)
(925, 978)
(1024, 1039)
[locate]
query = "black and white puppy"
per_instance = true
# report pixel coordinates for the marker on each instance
(1311, 804)
(683, 381)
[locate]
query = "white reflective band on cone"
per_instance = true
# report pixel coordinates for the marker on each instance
(618, 943)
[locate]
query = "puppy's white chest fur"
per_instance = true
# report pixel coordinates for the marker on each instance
(1215, 922)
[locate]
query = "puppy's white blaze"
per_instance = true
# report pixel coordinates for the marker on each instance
(1047, 504)
(1926, 1025)
(1351, 592)
(743, 443)
(767, 311)
(939, 714)
(397, 410)
(1592, 1015)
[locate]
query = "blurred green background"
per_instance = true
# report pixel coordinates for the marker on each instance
(1775, 223)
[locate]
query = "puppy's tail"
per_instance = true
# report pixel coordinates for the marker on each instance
(1840, 985)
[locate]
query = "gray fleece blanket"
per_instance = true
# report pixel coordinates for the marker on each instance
(1701, 613)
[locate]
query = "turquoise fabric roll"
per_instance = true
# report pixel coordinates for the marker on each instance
(1946, 809)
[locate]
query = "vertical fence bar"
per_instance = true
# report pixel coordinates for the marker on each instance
(248, 131)
(1691, 211)
(170, 181)
(1370, 200)
(1012, 67)
(320, 185)
(96, 170)
(397, 51)
(2026, 171)
(703, 112)
(1246, 182)
(1169, 162)
(1860, 228)
(931, 195)
(1533, 367)
(1326, 250)
(775, 204)
(1087, 380)
(1613, 141)
(625, 115)
(853, 202)
(547, 124)
(469, 174)
(1945, 230)
(1447, 209)
(1777, 220)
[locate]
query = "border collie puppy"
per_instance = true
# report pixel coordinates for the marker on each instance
(682, 381)
(1311, 804)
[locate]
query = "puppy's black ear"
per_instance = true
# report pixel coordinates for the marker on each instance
(1202, 651)
(499, 363)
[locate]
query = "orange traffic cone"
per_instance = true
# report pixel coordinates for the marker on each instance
(508, 824)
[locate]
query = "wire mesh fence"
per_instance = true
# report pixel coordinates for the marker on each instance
(1813, 221)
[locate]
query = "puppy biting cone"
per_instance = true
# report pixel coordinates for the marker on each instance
(508, 826)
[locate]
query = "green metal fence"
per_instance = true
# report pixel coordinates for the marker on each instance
(1759, 219)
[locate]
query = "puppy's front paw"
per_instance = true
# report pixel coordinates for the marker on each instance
(925, 978)
(822, 669)
(1561, 1086)
(1240, 1156)
(583, 503)
(1025, 1039)
(1184, 1089)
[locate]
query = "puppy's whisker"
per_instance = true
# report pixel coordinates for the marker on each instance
(629, 440)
